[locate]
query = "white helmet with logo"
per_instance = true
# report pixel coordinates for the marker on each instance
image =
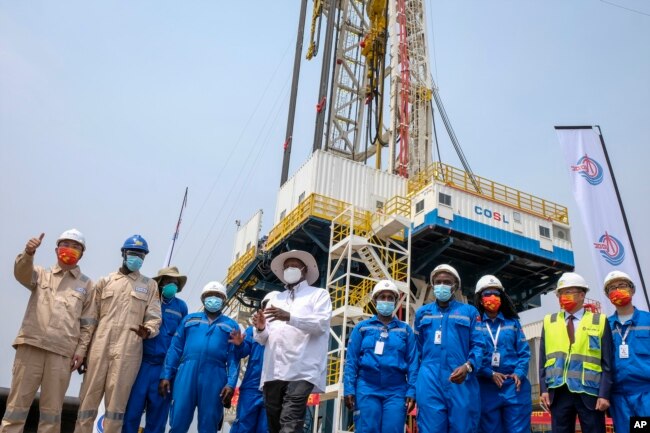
(214, 287)
(617, 275)
(488, 281)
(385, 286)
(72, 235)
(445, 268)
(571, 279)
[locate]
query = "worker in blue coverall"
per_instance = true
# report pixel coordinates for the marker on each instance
(251, 414)
(205, 363)
(381, 366)
(506, 400)
(451, 346)
(144, 393)
(631, 334)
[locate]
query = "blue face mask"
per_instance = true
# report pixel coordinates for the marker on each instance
(385, 308)
(169, 290)
(133, 263)
(442, 292)
(213, 303)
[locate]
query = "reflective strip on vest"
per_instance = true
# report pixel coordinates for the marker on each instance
(578, 365)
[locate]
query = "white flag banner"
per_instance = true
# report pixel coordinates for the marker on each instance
(602, 217)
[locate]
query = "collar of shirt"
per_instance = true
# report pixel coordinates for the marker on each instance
(74, 271)
(577, 315)
(499, 317)
(133, 275)
(297, 287)
(634, 319)
(394, 323)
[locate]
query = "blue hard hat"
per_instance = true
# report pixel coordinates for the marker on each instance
(136, 242)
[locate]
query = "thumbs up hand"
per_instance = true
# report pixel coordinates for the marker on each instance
(33, 243)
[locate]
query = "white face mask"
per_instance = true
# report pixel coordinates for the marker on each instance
(292, 275)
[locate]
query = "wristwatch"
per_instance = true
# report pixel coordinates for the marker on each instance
(469, 367)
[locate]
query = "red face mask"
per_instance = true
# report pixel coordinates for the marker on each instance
(69, 256)
(620, 297)
(491, 303)
(568, 302)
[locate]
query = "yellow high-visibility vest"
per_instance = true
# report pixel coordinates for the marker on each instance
(578, 365)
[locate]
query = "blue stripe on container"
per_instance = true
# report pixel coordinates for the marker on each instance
(498, 236)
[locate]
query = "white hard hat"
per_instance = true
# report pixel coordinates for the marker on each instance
(616, 275)
(385, 286)
(72, 235)
(571, 279)
(269, 296)
(445, 268)
(214, 287)
(488, 281)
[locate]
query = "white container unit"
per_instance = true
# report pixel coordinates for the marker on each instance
(474, 215)
(247, 236)
(339, 178)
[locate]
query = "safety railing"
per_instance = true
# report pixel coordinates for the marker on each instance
(333, 369)
(489, 189)
(313, 206)
(359, 294)
(240, 264)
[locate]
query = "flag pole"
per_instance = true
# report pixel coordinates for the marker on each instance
(178, 227)
(620, 204)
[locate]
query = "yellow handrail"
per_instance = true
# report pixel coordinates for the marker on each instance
(489, 189)
(240, 264)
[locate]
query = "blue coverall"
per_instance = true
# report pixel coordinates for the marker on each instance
(251, 415)
(204, 363)
(443, 406)
(631, 390)
(144, 393)
(380, 383)
(504, 410)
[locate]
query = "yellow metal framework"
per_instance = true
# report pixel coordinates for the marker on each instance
(240, 264)
(488, 189)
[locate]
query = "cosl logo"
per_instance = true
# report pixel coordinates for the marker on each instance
(496, 216)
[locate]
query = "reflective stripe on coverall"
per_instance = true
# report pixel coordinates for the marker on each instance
(58, 323)
(122, 302)
(504, 410)
(203, 362)
(251, 414)
(631, 390)
(442, 405)
(380, 383)
(144, 393)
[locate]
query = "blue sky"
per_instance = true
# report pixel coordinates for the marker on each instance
(108, 111)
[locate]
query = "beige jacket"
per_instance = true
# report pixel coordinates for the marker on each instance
(60, 315)
(124, 302)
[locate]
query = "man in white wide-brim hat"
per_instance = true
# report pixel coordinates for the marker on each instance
(295, 331)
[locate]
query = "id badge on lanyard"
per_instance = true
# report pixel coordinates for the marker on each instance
(496, 356)
(379, 345)
(624, 349)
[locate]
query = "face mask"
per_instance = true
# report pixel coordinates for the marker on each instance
(133, 263)
(442, 292)
(620, 297)
(69, 256)
(568, 302)
(385, 308)
(292, 275)
(213, 303)
(169, 290)
(491, 303)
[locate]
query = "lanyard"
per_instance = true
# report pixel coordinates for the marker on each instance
(627, 331)
(495, 338)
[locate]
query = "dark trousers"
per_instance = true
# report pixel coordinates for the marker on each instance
(286, 405)
(566, 405)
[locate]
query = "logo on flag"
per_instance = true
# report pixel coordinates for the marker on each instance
(611, 249)
(100, 424)
(589, 169)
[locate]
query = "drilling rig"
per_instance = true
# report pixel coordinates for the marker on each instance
(374, 201)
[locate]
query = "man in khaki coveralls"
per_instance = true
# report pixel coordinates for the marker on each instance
(128, 309)
(52, 341)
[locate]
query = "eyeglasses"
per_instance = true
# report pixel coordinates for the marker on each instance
(570, 292)
(620, 285)
(70, 244)
(490, 293)
(140, 254)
